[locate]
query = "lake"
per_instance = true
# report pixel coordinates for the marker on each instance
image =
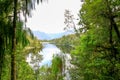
(47, 54)
(48, 51)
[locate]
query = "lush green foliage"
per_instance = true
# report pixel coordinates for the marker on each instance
(95, 52)
(13, 37)
(53, 72)
(57, 66)
(97, 55)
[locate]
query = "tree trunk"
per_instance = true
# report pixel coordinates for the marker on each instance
(114, 50)
(13, 60)
(1, 57)
(112, 21)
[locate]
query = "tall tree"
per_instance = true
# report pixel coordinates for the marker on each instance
(9, 29)
(13, 60)
(98, 51)
(69, 22)
(15, 12)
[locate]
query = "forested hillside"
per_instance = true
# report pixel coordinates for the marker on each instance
(66, 43)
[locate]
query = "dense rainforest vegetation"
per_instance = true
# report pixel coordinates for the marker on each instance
(98, 54)
(96, 51)
(94, 48)
(16, 39)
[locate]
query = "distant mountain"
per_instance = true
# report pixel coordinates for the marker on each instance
(41, 35)
(49, 36)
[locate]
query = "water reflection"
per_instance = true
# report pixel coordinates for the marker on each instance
(47, 55)
(48, 51)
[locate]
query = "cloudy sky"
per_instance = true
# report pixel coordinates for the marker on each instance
(49, 16)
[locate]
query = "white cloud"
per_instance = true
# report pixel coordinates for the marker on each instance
(49, 17)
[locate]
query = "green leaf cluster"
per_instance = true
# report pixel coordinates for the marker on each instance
(97, 55)
(13, 32)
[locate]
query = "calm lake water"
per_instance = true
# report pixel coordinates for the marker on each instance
(47, 53)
